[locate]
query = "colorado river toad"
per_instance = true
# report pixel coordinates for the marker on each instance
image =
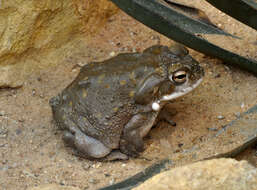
(113, 104)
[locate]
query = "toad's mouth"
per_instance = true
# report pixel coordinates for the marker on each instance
(156, 105)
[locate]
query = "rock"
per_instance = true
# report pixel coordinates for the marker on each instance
(86, 166)
(214, 174)
(217, 75)
(112, 181)
(237, 114)
(93, 181)
(3, 132)
(2, 113)
(212, 128)
(53, 187)
(34, 27)
(220, 117)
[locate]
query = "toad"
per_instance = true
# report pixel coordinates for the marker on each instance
(112, 105)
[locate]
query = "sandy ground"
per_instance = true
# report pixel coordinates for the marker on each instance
(31, 149)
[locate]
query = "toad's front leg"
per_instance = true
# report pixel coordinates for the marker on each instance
(166, 115)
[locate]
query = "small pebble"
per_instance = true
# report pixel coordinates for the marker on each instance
(180, 145)
(33, 92)
(98, 165)
(21, 120)
(18, 131)
(227, 68)
(112, 181)
(124, 49)
(86, 166)
(212, 129)
(176, 151)
(2, 113)
(220, 117)
(3, 132)
(133, 33)
(217, 75)
(62, 183)
(74, 70)
(237, 114)
(155, 106)
(81, 64)
(112, 54)
(2, 145)
(5, 168)
(155, 38)
(93, 181)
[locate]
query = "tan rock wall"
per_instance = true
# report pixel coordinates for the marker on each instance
(222, 174)
(36, 26)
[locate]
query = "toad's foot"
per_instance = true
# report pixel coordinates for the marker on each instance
(116, 155)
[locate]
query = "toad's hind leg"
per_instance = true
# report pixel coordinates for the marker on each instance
(131, 142)
(86, 146)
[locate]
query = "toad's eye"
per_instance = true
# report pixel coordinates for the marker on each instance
(179, 76)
